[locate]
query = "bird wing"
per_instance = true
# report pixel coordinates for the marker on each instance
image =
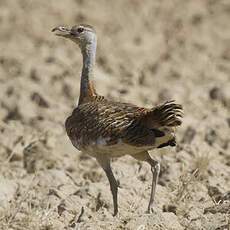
(105, 122)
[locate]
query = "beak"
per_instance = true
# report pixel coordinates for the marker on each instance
(62, 31)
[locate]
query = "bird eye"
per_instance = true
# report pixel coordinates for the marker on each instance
(80, 29)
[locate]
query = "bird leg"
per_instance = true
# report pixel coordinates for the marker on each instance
(114, 189)
(155, 168)
(105, 164)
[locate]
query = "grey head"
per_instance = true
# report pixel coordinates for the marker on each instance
(84, 35)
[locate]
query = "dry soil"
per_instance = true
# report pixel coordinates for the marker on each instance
(148, 52)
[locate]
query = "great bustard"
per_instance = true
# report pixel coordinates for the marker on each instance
(105, 129)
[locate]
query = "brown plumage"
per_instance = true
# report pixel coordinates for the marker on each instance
(106, 129)
(117, 123)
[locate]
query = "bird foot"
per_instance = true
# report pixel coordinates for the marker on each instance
(151, 208)
(115, 213)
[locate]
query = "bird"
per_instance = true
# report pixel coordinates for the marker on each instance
(105, 129)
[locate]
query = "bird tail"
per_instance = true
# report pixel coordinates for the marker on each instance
(168, 114)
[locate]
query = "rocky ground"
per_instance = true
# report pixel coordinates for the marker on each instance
(148, 52)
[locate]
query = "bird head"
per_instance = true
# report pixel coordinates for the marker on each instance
(82, 34)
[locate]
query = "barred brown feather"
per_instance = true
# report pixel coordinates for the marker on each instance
(121, 122)
(167, 114)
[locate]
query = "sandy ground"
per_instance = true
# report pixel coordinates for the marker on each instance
(148, 52)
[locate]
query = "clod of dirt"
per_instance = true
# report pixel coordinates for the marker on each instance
(217, 196)
(170, 208)
(174, 74)
(100, 203)
(226, 54)
(210, 137)
(30, 155)
(188, 135)
(153, 68)
(34, 76)
(50, 59)
(197, 19)
(221, 208)
(81, 192)
(228, 121)
(215, 94)
(215, 193)
(164, 173)
(61, 208)
(13, 114)
(39, 100)
(123, 91)
(142, 78)
(66, 89)
(77, 219)
(10, 91)
(226, 196)
(142, 178)
(92, 175)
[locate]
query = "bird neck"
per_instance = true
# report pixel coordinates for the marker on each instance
(87, 90)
